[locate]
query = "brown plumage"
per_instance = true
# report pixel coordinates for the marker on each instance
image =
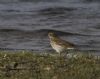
(58, 44)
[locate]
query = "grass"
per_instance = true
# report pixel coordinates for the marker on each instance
(27, 65)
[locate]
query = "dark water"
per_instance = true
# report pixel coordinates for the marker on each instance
(24, 24)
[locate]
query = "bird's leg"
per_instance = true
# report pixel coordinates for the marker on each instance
(59, 54)
(66, 54)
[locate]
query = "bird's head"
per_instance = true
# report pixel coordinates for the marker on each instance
(51, 35)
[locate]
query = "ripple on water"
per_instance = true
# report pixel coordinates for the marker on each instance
(56, 10)
(38, 39)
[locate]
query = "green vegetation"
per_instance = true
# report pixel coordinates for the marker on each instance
(26, 65)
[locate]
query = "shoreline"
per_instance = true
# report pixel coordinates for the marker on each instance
(28, 65)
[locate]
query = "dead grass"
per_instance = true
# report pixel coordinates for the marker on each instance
(27, 65)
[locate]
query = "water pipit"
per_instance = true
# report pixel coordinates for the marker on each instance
(58, 44)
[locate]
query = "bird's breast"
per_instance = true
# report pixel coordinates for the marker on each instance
(56, 47)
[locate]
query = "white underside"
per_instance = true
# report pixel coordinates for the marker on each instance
(59, 48)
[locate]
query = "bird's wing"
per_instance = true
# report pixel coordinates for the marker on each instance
(65, 43)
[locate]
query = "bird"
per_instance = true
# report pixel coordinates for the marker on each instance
(58, 44)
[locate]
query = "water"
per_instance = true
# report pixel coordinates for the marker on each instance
(24, 24)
